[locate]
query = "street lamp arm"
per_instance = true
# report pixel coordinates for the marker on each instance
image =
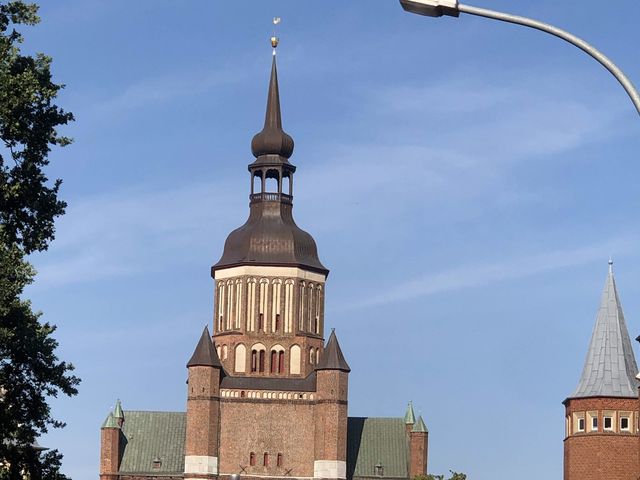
(558, 32)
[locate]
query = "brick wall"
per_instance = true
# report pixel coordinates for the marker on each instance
(109, 452)
(271, 426)
(202, 411)
(602, 455)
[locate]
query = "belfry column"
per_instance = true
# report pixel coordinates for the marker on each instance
(331, 413)
(203, 411)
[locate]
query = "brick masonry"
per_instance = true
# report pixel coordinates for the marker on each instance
(602, 455)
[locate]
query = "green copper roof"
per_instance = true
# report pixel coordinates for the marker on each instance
(110, 421)
(373, 441)
(154, 434)
(118, 411)
(420, 426)
(410, 417)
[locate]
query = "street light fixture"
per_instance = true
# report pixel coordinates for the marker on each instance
(438, 8)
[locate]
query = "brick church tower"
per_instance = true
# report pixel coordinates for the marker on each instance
(602, 440)
(266, 397)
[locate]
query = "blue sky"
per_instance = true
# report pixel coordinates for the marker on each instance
(465, 180)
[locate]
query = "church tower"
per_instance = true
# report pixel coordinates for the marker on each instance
(602, 440)
(283, 395)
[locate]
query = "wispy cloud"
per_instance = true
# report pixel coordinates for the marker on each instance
(485, 274)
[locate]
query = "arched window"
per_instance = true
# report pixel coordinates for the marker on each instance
(224, 352)
(286, 185)
(294, 360)
(251, 304)
(241, 358)
(252, 459)
(277, 322)
(257, 358)
(317, 356)
(281, 361)
(266, 459)
(219, 351)
(312, 356)
(274, 361)
(256, 185)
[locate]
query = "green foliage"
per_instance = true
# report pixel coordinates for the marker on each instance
(30, 371)
(454, 476)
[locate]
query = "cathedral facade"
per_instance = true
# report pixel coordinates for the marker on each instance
(267, 397)
(602, 437)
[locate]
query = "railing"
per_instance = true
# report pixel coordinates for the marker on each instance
(271, 197)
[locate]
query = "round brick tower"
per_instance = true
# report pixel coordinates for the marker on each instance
(602, 441)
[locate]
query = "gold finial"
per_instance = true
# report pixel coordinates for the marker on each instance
(275, 40)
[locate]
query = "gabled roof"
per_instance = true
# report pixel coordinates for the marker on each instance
(205, 354)
(332, 357)
(148, 435)
(410, 416)
(377, 441)
(610, 368)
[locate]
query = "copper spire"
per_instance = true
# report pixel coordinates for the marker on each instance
(272, 140)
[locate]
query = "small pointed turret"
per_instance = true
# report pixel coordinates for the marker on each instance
(332, 357)
(110, 421)
(410, 417)
(420, 426)
(118, 413)
(610, 367)
(273, 140)
(205, 354)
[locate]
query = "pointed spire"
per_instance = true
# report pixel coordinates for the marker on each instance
(410, 416)
(332, 357)
(118, 413)
(610, 367)
(272, 140)
(110, 421)
(205, 354)
(420, 427)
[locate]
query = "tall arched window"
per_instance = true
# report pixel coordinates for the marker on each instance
(251, 305)
(288, 305)
(224, 352)
(266, 459)
(281, 361)
(274, 361)
(257, 358)
(241, 358)
(312, 356)
(317, 356)
(294, 360)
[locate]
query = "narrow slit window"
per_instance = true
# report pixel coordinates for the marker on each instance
(279, 460)
(252, 459)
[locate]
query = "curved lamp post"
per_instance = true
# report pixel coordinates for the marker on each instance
(438, 8)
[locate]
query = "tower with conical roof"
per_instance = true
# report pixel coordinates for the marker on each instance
(602, 440)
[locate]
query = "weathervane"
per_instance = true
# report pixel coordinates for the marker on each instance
(275, 40)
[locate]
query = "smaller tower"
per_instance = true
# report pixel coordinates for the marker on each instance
(602, 441)
(418, 445)
(203, 411)
(110, 453)
(119, 414)
(331, 413)
(409, 418)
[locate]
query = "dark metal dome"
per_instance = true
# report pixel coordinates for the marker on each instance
(270, 236)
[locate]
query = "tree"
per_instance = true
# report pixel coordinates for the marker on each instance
(454, 476)
(30, 370)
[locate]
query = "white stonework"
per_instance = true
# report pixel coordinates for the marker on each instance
(329, 469)
(200, 464)
(257, 271)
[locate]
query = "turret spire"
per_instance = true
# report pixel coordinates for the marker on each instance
(205, 354)
(273, 140)
(610, 367)
(332, 358)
